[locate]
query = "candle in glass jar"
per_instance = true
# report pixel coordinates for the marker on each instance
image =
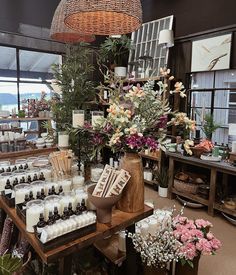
(96, 173)
(33, 211)
(50, 203)
(78, 118)
(80, 195)
(3, 179)
(47, 172)
(63, 140)
(66, 198)
(66, 184)
(96, 116)
(78, 181)
(20, 191)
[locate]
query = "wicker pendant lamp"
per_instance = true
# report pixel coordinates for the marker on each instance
(104, 17)
(60, 32)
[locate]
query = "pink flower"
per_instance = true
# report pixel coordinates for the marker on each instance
(210, 236)
(204, 246)
(190, 224)
(189, 251)
(197, 233)
(200, 223)
(215, 243)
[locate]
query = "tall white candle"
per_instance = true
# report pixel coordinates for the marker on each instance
(78, 118)
(78, 181)
(63, 140)
(96, 116)
(20, 191)
(32, 216)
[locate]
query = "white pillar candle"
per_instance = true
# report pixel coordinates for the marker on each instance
(111, 162)
(32, 216)
(78, 181)
(3, 180)
(63, 140)
(96, 173)
(234, 147)
(78, 118)
(20, 191)
(153, 225)
(116, 164)
(122, 241)
(66, 184)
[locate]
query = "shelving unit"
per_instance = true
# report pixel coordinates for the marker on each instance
(193, 197)
(24, 119)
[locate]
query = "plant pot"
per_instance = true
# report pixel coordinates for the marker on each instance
(187, 269)
(163, 192)
(148, 270)
(120, 71)
(132, 199)
(103, 205)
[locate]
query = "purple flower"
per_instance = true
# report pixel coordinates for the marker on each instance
(151, 143)
(135, 142)
(97, 139)
(162, 122)
(87, 125)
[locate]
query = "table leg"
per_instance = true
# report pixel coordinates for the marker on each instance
(212, 192)
(133, 264)
(171, 177)
(65, 265)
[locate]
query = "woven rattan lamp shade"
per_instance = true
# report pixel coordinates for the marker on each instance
(60, 32)
(104, 17)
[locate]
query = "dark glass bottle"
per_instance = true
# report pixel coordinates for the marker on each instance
(31, 196)
(60, 189)
(49, 192)
(15, 182)
(26, 166)
(38, 196)
(29, 179)
(2, 170)
(56, 215)
(51, 220)
(53, 190)
(27, 199)
(41, 224)
(8, 188)
(83, 206)
(78, 210)
(8, 169)
(65, 215)
(21, 167)
(70, 211)
(23, 179)
(43, 196)
(35, 177)
(14, 168)
(41, 176)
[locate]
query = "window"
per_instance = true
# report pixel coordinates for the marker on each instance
(214, 92)
(148, 57)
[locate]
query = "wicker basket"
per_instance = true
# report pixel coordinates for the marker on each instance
(185, 187)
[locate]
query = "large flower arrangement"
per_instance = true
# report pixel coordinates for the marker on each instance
(196, 238)
(137, 116)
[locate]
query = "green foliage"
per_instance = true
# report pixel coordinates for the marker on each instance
(209, 126)
(161, 175)
(9, 264)
(73, 79)
(114, 49)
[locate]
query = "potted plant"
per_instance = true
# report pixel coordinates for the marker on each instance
(114, 52)
(161, 175)
(209, 126)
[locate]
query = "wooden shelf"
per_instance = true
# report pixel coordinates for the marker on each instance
(151, 182)
(28, 152)
(220, 207)
(109, 248)
(24, 119)
(149, 156)
(191, 197)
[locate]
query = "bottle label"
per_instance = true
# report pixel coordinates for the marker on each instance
(8, 191)
(39, 230)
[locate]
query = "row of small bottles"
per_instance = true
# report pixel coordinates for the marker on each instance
(149, 167)
(41, 195)
(10, 186)
(14, 168)
(55, 216)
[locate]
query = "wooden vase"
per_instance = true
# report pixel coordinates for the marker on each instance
(187, 269)
(132, 199)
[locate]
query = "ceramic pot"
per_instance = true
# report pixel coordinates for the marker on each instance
(162, 192)
(132, 199)
(187, 269)
(103, 205)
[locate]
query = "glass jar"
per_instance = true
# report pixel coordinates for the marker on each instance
(20, 162)
(37, 186)
(81, 194)
(49, 185)
(96, 172)
(63, 140)
(96, 116)
(47, 172)
(66, 198)
(66, 184)
(20, 191)
(78, 118)
(33, 210)
(49, 203)
(78, 181)
(20, 175)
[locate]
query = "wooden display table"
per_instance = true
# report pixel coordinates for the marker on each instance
(214, 167)
(120, 220)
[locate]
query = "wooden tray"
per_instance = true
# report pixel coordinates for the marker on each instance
(20, 212)
(66, 238)
(8, 200)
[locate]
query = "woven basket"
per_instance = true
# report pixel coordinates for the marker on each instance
(185, 187)
(105, 17)
(60, 32)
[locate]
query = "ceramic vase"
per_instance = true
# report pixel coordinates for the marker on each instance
(187, 269)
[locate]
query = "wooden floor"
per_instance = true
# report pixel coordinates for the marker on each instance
(224, 263)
